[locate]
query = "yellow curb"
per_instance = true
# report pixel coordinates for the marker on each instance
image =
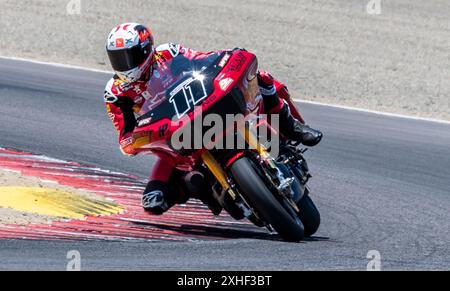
(52, 202)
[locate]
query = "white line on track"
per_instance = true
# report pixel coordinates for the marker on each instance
(296, 100)
(59, 65)
(396, 115)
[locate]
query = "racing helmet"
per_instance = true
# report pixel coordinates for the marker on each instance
(130, 49)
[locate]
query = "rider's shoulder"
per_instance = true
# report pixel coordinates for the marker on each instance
(114, 89)
(169, 49)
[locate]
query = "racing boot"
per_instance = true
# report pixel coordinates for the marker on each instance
(297, 131)
(289, 126)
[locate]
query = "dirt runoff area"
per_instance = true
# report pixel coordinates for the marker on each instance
(394, 57)
(12, 216)
(14, 180)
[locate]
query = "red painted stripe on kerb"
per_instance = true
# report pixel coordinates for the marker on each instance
(191, 221)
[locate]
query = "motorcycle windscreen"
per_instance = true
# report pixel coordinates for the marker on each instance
(178, 85)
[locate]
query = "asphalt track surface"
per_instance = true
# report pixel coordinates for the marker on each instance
(381, 183)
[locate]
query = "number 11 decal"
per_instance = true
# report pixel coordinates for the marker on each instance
(193, 90)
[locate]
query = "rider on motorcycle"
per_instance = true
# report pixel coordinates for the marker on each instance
(133, 56)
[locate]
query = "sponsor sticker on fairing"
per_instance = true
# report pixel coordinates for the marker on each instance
(224, 60)
(144, 122)
(225, 83)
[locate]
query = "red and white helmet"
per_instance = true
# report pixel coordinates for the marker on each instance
(130, 50)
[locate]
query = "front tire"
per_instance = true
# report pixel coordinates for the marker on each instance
(260, 197)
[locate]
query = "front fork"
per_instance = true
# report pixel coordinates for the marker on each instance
(216, 169)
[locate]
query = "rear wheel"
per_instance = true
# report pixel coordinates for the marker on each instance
(255, 191)
(309, 215)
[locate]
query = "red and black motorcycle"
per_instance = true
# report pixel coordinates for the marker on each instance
(248, 182)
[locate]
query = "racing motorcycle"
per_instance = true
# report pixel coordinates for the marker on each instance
(249, 182)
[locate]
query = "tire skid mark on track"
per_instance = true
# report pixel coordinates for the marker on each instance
(188, 222)
(348, 223)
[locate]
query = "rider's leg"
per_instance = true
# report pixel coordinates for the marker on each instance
(168, 186)
(197, 186)
(158, 196)
(289, 126)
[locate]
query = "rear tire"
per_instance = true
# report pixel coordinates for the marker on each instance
(309, 215)
(260, 197)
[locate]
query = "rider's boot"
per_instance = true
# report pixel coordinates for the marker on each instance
(297, 131)
(289, 126)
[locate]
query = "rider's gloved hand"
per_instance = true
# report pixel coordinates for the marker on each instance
(266, 83)
(126, 145)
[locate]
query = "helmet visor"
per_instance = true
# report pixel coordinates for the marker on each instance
(126, 59)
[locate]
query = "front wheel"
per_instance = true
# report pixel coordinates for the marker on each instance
(264, 202)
